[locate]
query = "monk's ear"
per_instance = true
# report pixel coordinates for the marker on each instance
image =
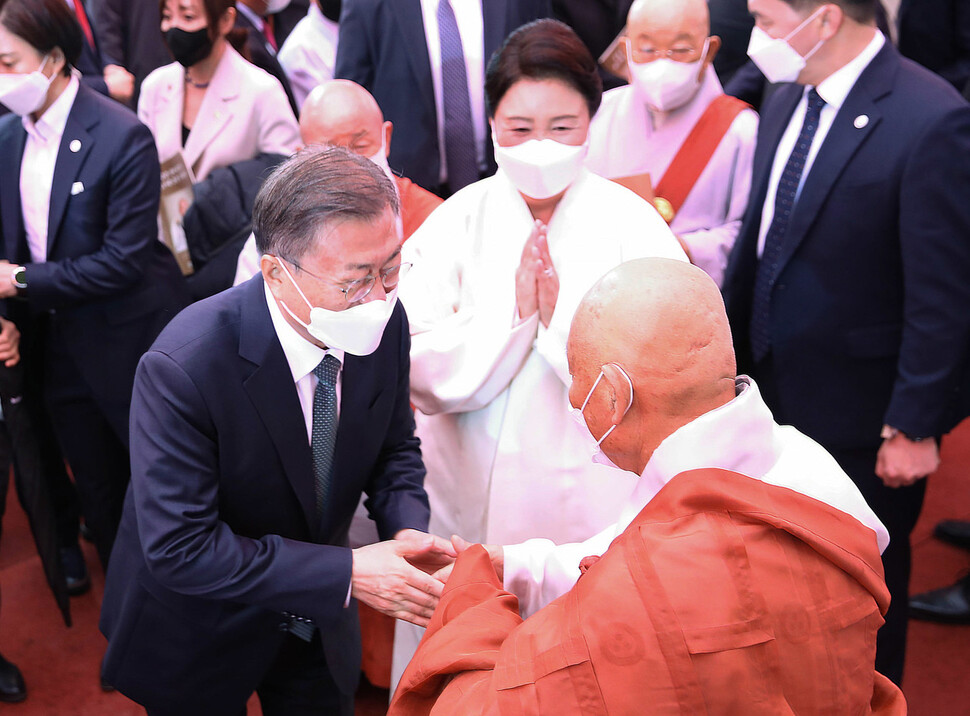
(618, 392)
(713, 47)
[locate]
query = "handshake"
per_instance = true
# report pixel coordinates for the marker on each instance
(404, 577)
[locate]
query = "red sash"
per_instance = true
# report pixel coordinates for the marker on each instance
(696, 152)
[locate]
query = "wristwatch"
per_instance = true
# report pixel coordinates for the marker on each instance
(18, 277)
(888, 433)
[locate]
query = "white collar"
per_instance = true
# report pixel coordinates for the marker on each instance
(836, 87)
(301, 355)
(50, 126)
(742, 436)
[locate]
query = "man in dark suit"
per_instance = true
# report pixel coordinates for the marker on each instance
(256, 425)
(384, 46)
(130, 38)
(936, 33)
(264, 37)
(83, 273)
(849, 285)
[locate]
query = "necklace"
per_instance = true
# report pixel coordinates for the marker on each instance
(197, 85)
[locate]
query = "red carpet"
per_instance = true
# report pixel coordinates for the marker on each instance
(61, 665)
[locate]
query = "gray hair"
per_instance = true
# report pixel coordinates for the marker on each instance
(313, 188)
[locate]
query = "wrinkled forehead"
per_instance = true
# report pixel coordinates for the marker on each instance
(670, 20)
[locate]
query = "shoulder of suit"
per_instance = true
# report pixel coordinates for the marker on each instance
(206, 324)
(159, 77)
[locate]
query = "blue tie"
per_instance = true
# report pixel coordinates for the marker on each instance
(785, 198)
(324, 433)
(461, 165)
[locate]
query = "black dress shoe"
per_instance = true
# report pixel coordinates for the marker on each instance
(75, 570)
(954, 531)
(12, 687)
(947, 604)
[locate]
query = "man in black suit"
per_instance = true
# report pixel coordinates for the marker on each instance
(384, 46)
(936, 33)
(82, 274)
(265, 34)
(130, 38)
(849, 284)
(257, 422)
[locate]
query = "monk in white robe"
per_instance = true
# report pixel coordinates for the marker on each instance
(498, 271)
(641, 128)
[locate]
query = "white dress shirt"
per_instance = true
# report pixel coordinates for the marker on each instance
(309, 53)
(741, 436)
(833, 89)
(37, 168)
(471, 27)
(302, 357)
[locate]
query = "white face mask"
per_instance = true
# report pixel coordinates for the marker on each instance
(665, 84)
(775, 57)
(541, 168)
(356, 330)
(275, 6)
(25, 94)
(596, 452)
(380, 159)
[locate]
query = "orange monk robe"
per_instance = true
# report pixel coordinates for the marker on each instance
(726, 595)
(416, 205)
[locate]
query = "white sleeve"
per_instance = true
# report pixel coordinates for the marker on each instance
(462, 357)
(538, 571)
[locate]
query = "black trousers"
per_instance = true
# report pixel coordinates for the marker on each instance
(297, 684)
(94, 444)
(898, 508)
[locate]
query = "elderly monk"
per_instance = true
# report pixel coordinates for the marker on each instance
(745, 577)
(673, 133)
(341, 113)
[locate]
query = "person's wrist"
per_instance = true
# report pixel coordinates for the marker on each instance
(18, 278)
(889, 433)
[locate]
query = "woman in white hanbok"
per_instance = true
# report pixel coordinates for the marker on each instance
(499, 270)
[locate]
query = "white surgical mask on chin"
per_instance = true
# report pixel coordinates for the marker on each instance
(775, 57)
(596, 452)
(275, 6)
(541, 168)
(380, 159)
(356, 330)
(24, 94)
(666, 85)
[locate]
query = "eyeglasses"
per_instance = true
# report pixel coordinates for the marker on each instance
(642, 55)
(358, 289)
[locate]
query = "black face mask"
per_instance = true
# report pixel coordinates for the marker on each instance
(188, 47)
(330, 9)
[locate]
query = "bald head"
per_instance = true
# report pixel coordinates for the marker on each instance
(662, 24)
(663, 322)
(342, 113)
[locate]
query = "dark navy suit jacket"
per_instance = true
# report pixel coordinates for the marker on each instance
(108, 285)
(870, 312)
(382, 47)
(218, 537)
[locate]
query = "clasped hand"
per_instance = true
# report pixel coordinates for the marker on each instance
(536, 280)
(395, 577)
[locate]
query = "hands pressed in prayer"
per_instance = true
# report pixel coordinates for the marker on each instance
(394, 577)
(536, 280)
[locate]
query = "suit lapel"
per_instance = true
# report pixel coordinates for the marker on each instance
(168, 109)
(410, 24)
(840, 145)
(12, 146)
(271, 389)
(76, 144)
(216, 109)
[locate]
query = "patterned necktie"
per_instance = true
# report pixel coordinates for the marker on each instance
(462, 166)
(784, 205)
(324, 428)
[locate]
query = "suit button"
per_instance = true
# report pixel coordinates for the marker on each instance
(284, 626)
(780, 286)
